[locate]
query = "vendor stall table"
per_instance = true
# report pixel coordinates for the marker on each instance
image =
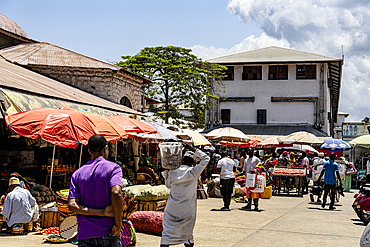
(298, 174)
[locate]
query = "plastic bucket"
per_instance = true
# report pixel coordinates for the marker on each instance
(171, 154)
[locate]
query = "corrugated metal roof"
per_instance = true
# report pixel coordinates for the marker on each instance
(270, 55)
(11, 26)
(48, 54)
(15, 77)
(20, 102)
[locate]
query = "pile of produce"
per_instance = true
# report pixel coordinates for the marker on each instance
(289, 172)
(129, 205)
(43, 194)
(147, 221)
(50, 230)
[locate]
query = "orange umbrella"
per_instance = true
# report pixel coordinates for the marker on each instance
(106, 127)
(132, 126)
(61, 126)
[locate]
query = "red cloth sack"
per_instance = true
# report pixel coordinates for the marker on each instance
(147, 221)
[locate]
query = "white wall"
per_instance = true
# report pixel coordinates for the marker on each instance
(263, 90)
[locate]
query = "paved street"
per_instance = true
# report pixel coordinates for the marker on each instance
(283, 221)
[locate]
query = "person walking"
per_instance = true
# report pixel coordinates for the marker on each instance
(250, 163)
(306, 164)
(330, 169)
(227, 179)
(95, 195)
(181, 209)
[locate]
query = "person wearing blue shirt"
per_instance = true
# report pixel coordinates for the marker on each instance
(330, 169)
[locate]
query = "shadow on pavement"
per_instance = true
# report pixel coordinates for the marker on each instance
(326, 209)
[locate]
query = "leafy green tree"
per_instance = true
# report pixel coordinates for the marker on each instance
(178, 77)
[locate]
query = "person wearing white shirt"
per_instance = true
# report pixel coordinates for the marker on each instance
(250, 162)
(227, 179)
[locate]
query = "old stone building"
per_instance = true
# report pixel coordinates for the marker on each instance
(11, 34)
(100, 78)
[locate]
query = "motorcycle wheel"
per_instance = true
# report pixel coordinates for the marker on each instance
(364, 217)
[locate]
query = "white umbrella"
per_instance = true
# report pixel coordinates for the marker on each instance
(227, 134)
(302, 137)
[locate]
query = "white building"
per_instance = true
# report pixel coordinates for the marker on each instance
(277, 91)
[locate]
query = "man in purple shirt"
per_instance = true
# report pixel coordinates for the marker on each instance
(95, 195)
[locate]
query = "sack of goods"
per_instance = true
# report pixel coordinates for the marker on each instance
(171, 154)
(147, 221)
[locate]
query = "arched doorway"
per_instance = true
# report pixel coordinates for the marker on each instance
(125, 101)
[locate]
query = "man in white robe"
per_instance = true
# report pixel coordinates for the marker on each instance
(181, 209)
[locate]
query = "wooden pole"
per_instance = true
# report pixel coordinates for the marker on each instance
(79, 163)
(115, 158)
(52, 167)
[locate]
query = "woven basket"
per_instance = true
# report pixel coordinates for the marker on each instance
(68, 228)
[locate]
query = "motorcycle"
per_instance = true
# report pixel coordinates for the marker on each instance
(361, 205)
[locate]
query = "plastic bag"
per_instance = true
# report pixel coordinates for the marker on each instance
(260, 184)
(171, 154)
(155, 193)
(135, 190)
(251, 180)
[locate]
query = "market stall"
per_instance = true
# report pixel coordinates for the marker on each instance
(289, 180)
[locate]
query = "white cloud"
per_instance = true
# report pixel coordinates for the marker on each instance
(250, 43)
(318, 26)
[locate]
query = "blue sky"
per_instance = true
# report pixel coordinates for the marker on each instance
(106, 30)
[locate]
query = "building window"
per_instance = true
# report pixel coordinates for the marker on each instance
(225, 116)
(306, 71)
(278, 72)
(252, 72)
(261, 116)
(126, 102)
(229, 74)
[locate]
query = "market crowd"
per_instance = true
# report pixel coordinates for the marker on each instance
(95, 193)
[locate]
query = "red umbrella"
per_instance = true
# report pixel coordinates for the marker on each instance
(106, 127)
(132, 126)
(62, 126)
